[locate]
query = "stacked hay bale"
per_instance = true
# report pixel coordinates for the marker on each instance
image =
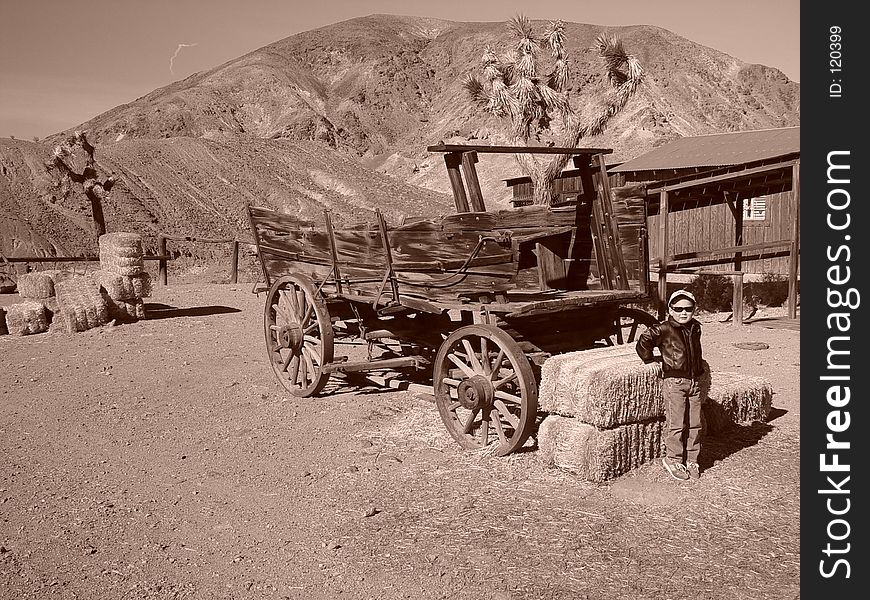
(122, 275)
(607, 409)
(80, 305)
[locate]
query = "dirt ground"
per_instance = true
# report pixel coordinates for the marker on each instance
(161, 460)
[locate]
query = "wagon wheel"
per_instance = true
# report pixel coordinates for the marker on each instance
(299, 336)
(629, 324)
(485, 389)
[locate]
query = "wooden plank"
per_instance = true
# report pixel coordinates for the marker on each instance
(796, 242)
(663, 253)
(453, 160)
(573, 299)
(732, 176)
(730, 250)
(614, 245)
(475, 196)
(442, 147)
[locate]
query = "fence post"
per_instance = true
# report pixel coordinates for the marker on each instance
(161, 265)
(737, 300)
(234, 269)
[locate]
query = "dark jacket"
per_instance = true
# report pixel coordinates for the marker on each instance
(680, 346)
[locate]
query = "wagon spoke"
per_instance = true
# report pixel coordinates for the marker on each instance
(472, 357)
(287, 360)
(469, 423)
(508, 379)
(314, 354)
(506, 396)
(301, 305)
(307, 315)
(453, 406)
(496, 365)
(484, 355)
(484, 429)
(499, 428)
(465, 368)
(505, 412)
(294, 368)
(303, 372)
(309, 364)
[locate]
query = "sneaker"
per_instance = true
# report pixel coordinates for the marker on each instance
(693, 469)
(675, 469)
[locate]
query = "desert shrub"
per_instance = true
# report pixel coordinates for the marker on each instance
(771, 290)
(712, 292)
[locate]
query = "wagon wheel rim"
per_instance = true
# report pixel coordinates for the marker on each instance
(299, 335)
(485, 389)
(628, 325)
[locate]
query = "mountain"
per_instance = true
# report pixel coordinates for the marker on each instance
(340, 117)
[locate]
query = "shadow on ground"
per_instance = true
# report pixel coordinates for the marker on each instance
(156, 310)
(729, 441)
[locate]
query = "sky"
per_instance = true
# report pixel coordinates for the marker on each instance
(63, 62)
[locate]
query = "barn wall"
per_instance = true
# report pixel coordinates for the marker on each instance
(712, 226)
(703, 228)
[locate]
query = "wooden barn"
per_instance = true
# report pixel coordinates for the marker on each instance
(732, 202)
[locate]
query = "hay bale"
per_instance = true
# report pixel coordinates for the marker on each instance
(36, 285)
(604, 387)
(598, 455)
(121, 244)
(81, 305)
(124, 287)
(121, 253)
(26, 318)
(127, 312)
(736, 399)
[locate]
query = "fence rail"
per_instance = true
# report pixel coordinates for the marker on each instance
(163, 257)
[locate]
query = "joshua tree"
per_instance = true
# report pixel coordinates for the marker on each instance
(512, 88)
(95, 189)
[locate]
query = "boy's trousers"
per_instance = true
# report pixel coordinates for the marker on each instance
(684, 425)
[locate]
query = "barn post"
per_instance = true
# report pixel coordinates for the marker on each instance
(794, 251)
(663, 254)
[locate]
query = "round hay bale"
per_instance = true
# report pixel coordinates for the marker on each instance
(127, 312)
(121, 244)
(124, 287)
(26, 318)
(36, 285)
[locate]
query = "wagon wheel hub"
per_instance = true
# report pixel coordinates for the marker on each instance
(291, 337)
(476, 393)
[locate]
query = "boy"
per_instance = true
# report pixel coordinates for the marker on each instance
(678, 338)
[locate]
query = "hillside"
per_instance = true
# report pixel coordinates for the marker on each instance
(317, 120)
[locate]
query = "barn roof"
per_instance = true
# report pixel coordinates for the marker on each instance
(721, 149)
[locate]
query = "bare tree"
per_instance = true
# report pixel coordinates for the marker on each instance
(95, 189)
(512, 88)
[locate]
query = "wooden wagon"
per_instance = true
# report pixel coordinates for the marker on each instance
(478, 299)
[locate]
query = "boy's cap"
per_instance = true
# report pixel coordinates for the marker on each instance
(681, 294)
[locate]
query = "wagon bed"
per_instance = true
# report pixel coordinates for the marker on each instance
(480, 298)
